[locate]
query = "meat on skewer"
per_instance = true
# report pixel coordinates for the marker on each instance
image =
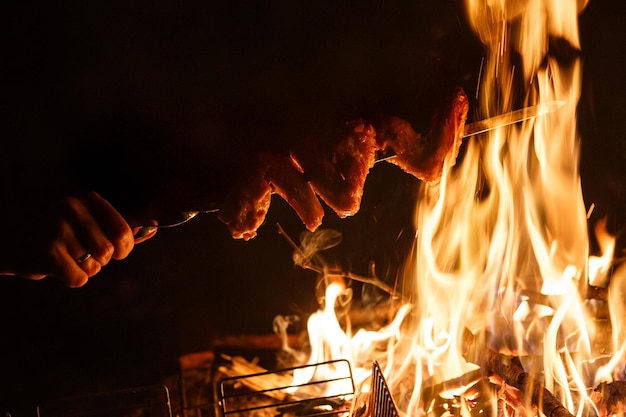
(423, 157)
(337, 173)
(245, 208)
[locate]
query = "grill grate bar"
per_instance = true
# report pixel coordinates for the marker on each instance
(238, 395)
(381, 402)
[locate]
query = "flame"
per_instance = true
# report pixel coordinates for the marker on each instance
(502, 249)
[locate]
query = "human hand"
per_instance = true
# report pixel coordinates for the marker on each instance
(71, 240)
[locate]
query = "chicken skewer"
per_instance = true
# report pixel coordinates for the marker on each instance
(336, 173)
(282, 166)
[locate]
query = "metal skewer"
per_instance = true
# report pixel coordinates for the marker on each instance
(496, 122)
(513, 117)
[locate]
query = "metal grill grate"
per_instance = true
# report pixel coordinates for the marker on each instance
(330, 385)
(381, 402)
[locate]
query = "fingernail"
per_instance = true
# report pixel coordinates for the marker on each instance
(145, 231)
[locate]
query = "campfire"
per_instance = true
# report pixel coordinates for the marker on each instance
(501, 309)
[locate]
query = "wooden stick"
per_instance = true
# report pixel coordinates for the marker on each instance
(373, 279)
(512, 373)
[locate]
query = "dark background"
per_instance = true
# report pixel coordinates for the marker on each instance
(128, 96)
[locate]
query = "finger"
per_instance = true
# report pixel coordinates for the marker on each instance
(83, 258)
(113, 224)
(143, 233)
(69, 255)
(65, 268)
(84, 234)
(32, 276)
(72, 274)
(89, 265)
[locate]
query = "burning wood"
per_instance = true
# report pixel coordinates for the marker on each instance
(511, 371)
(610, 398)
(256, 341)
(513, 374)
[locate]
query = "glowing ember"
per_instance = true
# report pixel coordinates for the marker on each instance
(501, 260)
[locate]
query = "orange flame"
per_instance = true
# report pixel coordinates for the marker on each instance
(502, 248)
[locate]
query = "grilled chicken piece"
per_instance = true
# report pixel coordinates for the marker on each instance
(423, 157)
(245, 208)
(337, 172)
(289, 182)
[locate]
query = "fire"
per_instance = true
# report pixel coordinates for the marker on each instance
(502, 250)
